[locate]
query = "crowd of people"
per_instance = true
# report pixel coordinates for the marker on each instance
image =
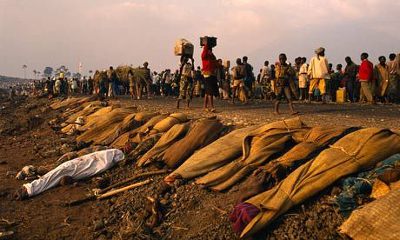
(303, 81)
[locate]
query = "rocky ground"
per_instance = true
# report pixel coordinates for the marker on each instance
(189, 212)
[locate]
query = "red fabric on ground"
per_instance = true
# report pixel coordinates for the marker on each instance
(242, 214)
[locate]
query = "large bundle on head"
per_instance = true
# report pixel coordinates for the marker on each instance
(209, 41)
(99, 76)
(139, 74)
(125, 72)
(183, 48)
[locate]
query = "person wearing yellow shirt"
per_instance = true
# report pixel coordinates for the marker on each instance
(318, 72)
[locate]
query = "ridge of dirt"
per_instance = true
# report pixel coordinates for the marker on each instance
(189, 211)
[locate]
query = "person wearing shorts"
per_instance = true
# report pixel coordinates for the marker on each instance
(283, 72)
(186, 83)
(238, 74)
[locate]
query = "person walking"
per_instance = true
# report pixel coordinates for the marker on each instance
(249, 77)
(318, 72)
(394, 77)
(209, 62)
(226, 81)
(147, 79)
(238, 75)
(336, 79)
(265, 81)
(284, 72)
(113, 81)
(186, 82)
(365, 75)
(167, 79)
(350, 77)
(381, 76)
(303, 79)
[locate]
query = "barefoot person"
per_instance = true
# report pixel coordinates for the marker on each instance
(318, 72)
(186, 82)
(303, 79)
(284, 72)
(209, 62)
(238, 74)
(381, 75)
(365, 75)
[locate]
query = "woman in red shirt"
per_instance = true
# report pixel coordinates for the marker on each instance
(209, 62)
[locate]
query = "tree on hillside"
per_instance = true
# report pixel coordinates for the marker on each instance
(63, 69)
(24, 67)
(34, 73)
(48, 71)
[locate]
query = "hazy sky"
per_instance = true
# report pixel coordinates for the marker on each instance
(101, 33)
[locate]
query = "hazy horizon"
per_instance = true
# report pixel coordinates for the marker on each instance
(103, 33)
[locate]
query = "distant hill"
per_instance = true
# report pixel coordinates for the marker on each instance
(5, 81)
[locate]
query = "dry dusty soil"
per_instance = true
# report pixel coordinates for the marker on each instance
(189, 212)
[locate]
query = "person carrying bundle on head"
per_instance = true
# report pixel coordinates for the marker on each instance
(209, 62)
(186, 73)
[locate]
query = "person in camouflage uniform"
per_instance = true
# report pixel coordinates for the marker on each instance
(197, 82)
(186, 81)
(113, 82)
(284, 72)
(147, 79)
(132, 84)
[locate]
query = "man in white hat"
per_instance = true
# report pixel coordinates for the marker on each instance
(318, 72)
